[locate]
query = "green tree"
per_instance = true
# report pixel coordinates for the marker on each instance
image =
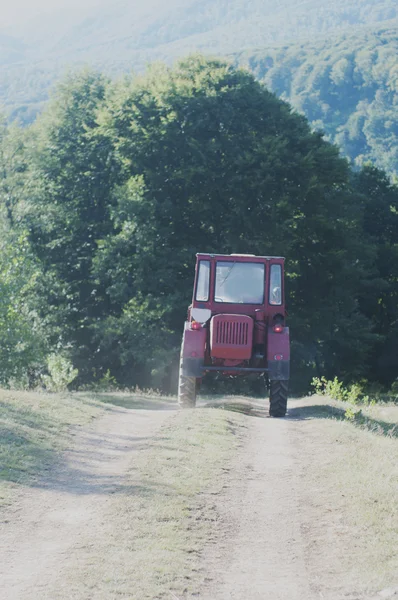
(212, 161)
(346, 87)
(23, 339)
(380, 302)
(118, 186)
(68, 210)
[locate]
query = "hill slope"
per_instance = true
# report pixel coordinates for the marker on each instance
(122, 28)
(335, 62)
(347, 87)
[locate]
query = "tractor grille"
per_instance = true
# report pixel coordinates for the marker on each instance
(231, 333)
(231, 337)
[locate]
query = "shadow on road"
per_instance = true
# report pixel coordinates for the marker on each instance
(30, 443)
(305, 413)
(134, 401)
(244, 408)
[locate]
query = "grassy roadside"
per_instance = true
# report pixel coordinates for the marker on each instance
(366, 468)
(33, 428)
(354, 489)
(148, 544)
(149, 547)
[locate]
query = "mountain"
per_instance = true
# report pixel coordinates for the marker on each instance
(122, 29)
(346, 86)
(12, 49)
(311, 53)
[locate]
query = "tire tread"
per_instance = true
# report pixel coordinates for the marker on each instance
(186, 391)
(278, 398)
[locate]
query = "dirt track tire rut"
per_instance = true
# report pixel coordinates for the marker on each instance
(258, 552)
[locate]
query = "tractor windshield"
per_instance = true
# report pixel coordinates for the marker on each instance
(239, 282)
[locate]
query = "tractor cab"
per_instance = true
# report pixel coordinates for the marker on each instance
(236, 324)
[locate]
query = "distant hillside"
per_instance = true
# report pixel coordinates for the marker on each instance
(11, 50)
(119, 30)
(347, 87)
(300, 47)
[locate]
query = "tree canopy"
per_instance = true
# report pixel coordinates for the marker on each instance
(123, 183)
(335, 62)
(346, 87)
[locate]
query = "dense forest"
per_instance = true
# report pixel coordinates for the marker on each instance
(348, 89)
(334, 62)
(107, 197)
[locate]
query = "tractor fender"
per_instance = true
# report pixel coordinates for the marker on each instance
(193, 351)
(278, 354)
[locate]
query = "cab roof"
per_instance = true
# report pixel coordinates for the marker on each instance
(206, 254)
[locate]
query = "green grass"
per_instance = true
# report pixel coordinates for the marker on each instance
(148, 545)
(155, 531)
(33, 429)
(381, 420)
(365, 469)
(358, 478)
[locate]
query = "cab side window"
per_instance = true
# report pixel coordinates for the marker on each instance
(202, 288)
(275, 285)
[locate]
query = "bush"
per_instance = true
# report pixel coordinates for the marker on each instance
(353, 394)
(61, 373)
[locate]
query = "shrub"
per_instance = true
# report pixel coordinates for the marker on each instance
(61, 373)
(353, 394)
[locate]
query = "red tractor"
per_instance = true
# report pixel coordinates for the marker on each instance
(236, 325)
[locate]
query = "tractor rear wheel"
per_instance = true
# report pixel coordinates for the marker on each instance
(186, 391)
(278, 398)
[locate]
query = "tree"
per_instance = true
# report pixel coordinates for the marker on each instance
(110, 195)
(23, 339)
(212, 161)
(68, 210)
(347, 88)
(380, 302)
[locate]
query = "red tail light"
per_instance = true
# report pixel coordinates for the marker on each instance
(278, 328)
(196, 325)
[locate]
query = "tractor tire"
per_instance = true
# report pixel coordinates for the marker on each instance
(186, 391)
(278, 398)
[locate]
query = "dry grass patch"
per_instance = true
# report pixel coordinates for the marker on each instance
(149, 547)
(33, 428)
(36, 426)
(352, 482)
(365, 470)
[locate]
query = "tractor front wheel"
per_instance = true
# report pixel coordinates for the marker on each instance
(186, 391)
(278, 398)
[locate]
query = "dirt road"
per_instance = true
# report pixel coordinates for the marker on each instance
(45, 526)
(285, 529)
(260, 550)
(278, 533)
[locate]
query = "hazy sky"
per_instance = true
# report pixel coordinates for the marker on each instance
(13, 11)
(16, 12)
